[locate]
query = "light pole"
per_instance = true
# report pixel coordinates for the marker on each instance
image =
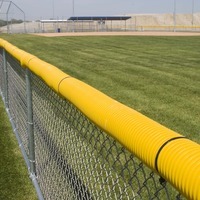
(192, 12)
(174, 15)
(73, 15)
(73, 8)
(53, 9)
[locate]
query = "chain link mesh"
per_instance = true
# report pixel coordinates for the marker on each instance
(74, 158)
(17, 98)
(1, 73)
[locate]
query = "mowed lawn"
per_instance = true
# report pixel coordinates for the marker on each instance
(158, 76)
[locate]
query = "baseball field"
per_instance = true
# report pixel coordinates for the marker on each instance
(158, 76)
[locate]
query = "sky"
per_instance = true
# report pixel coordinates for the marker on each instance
(63, 9)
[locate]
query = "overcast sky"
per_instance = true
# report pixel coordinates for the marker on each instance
(62, 9)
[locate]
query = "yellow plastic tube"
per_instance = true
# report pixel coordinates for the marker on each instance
(179, 161)
(174, 157)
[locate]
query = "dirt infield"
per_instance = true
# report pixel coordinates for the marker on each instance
(120, 34)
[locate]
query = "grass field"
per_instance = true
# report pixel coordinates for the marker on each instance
(158, 76)
(14, 180)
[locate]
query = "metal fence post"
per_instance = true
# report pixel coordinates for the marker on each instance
(31, 139)
(30, 159)
(5, 79)
(30, 123)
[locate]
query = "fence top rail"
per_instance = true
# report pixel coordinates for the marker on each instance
(174, 157)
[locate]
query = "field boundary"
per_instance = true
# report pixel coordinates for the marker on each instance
(138, 33)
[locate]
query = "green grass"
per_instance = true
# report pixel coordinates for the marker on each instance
(14, 180)
(158, 76)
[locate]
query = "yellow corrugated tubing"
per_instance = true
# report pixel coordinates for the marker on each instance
(174, 157)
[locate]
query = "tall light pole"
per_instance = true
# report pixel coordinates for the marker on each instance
(73, 15)
(53, 9)
(73, 8)
(192, 12)
(174, 15)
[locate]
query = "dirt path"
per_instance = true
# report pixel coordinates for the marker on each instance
(120, 34)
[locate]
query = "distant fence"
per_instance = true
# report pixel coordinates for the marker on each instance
(80, 144)
(91, 26)
(11, 14)
(169, 28)
(109, 26)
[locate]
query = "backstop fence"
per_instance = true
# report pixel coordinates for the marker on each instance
(80, 144)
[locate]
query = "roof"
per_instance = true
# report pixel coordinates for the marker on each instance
(98, 18)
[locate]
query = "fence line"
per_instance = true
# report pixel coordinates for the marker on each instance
(82, 144)
(42, 27)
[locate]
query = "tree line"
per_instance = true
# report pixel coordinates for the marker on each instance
(12, 21)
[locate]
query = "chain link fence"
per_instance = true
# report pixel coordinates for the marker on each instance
(74, 158)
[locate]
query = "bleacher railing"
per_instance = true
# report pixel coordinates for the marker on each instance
(79, 143)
